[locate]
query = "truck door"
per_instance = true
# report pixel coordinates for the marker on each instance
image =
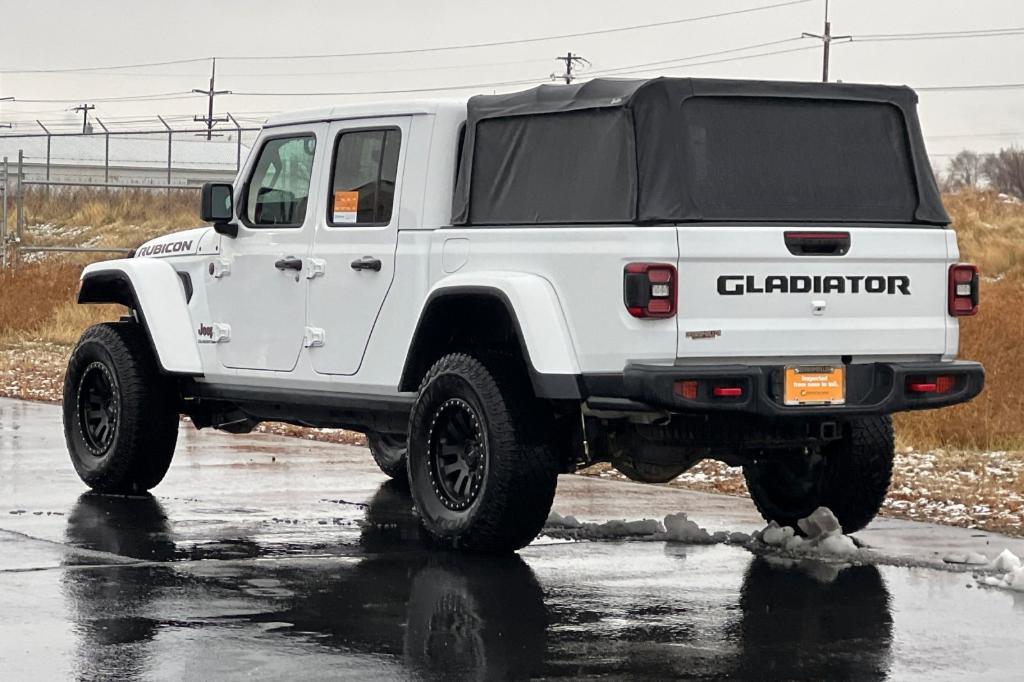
(257, 287)
(356, 235)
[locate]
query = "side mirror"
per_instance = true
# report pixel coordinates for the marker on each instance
(217, 207)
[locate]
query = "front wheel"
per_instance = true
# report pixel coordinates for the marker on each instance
(849, 476)
(120, 413)
(481, 471)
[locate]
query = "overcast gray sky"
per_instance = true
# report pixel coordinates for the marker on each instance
(45, 34)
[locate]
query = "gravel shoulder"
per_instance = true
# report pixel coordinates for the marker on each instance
(966, 488)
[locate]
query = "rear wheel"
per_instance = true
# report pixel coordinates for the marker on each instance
(481, 472)
(389, 452)
(120, 413)
(849, 476)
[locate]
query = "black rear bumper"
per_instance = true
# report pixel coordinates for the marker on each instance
(871, 388)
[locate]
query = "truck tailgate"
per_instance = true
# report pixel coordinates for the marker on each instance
(743, 292)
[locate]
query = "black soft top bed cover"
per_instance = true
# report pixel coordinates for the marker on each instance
(674, 150)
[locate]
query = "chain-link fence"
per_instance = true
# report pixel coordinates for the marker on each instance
(57, 176)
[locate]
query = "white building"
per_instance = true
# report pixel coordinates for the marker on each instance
(133, 159)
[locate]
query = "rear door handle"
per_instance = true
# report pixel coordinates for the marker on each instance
(367, 263)
(289, 263)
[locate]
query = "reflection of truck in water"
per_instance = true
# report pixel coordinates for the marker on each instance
(397, 606)
(645, 272)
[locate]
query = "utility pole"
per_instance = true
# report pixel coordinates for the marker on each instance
(826, 39)
(571, 60)
(210, 93)
(85, 109)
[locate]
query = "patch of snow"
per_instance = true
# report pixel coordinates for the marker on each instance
(970, 558)
(679, 528)
(1010, 565)
(775, 535)
(675, 528)
(1007, 561)
(607, 530)
(822, 535)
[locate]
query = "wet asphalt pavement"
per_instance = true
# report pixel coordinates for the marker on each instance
(274, 558)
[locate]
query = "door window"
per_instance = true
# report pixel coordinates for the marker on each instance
(278, 189)
(364, 176)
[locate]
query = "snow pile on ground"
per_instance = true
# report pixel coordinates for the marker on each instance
(675, 528)
(970, 558)
(822, 534)
(1010, 565)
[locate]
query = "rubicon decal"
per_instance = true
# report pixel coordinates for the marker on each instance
(740, 285)
(164, 249)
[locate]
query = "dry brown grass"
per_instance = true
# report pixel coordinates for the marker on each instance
(105, 218)
(991, 234)
(990, 231)
(37, 304)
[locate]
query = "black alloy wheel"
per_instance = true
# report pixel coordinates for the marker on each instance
(458, 454)
(98, 408)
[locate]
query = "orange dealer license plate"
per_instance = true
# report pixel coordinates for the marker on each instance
(815, 386)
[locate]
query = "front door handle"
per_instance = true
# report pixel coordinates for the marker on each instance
(289, 263)
(366, 263)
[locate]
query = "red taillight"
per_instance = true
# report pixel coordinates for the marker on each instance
(939, 384)
(686, 389)
(649, 290)
(963, 290)
(727, 392)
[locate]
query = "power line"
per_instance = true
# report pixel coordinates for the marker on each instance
(124, 98)
(474, 86)
(111, 67)
(973, 86)
(725, 60)
(667, 62)
(421, 50)
(937, 35)
(525, 41)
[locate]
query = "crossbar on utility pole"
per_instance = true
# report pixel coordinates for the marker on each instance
(826, 39)
(210, 93)
(85, 109)
(571, 60)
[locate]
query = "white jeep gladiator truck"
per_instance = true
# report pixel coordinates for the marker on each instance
(642, 272)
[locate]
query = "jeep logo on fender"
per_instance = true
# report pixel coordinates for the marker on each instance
(206, 330)
(738, 285)
(164, 249)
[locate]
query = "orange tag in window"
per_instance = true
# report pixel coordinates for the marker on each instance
(346, 207)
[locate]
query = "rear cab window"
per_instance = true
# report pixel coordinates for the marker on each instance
(363, 176)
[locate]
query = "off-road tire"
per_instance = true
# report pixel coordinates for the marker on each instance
(389, 453)
(852, 479)
(135, 450)
(519, 471)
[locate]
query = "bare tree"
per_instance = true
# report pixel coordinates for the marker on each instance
(964, 170)
(1005, 171)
